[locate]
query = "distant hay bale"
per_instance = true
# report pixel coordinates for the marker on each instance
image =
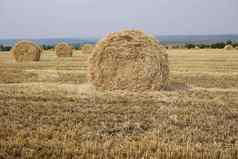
(87, 48)
(63, 50)
(197, 48)
(129, 60)
(25, 51)
(236, 48)
(228, 47)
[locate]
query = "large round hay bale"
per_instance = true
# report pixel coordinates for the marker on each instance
(26, 51)
(228, 47)
(64, 50)
(87, 48)
(129, 60)
(236, 47)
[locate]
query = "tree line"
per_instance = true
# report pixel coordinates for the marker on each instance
(44, 46)
(218, 45)
(5, 48)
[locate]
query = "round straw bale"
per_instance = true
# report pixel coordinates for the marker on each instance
(87, 48)
(128, 60)
(26, 51)
(228, 47)
(236, 48)
(64, 50)
(197, 48)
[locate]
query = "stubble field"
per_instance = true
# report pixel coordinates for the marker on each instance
(49, 110)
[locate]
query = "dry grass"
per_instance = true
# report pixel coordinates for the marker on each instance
(48, 110)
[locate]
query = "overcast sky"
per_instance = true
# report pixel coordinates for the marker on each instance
(76, 18)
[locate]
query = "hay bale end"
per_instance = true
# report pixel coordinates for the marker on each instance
(26, 51)
(228, 47)
(64, 50)
(129, 60)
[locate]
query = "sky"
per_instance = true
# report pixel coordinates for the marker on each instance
(94, 18)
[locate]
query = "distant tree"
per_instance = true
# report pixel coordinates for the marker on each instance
(235, 45)
(1, 47)
(77, 46)
(5, 48)
(189, 46)
(44, 47)
(203, 46)
(220, 45)
(47, 47)
(228, 42)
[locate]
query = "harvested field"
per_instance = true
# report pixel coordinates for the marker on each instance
(49, 110)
